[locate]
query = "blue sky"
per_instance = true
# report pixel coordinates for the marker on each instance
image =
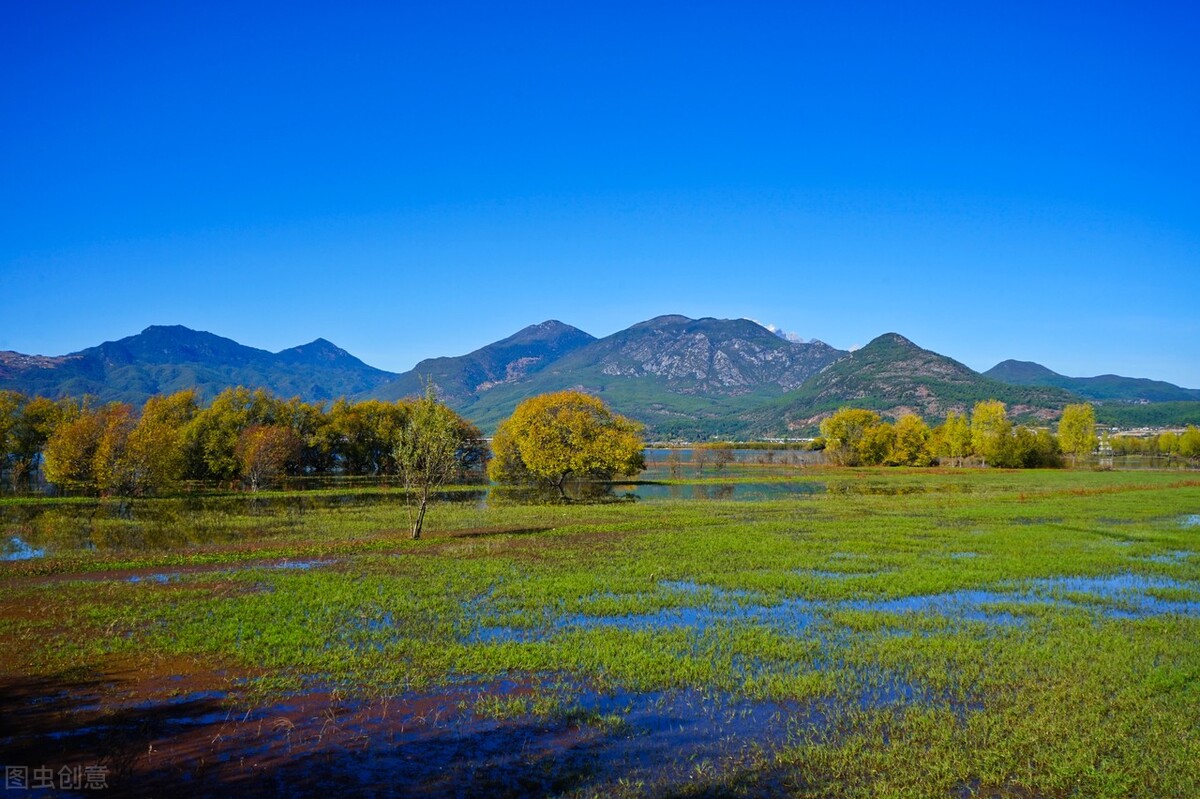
(1016, 180)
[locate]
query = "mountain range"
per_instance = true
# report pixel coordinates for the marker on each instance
(165, 359)
(684, 378)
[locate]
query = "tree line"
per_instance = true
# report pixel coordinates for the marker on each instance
(1169, 443)
(245, 436)
(854, 437)
(251, 437)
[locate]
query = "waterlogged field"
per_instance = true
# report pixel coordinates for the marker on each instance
(769, 631)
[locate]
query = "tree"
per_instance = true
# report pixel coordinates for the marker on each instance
(10, 411)
(155, 457)
(1077, 430)
(70, 453)
(264, 451)
(1031, 450)
(990, 432)
(1168, 444)
(435, 445)
(844, 431)
(35, 423)
(723, 455)
(366, 435)
(312, 424)
(912, 442)
(876, 444)
(954, 438)
(89, 451)
(1189, 443)
(565, 434)
(214, 434)
(111, 465)
(1125, 445)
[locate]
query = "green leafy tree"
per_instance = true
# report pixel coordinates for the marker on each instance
(35, 424)
(435, 446)
(565, 434)
(366, 435)
(313, 425)
(991, 432)
(1030, 449)
(10, 410)
(844, 431)
(1077, 430)
(212, 436)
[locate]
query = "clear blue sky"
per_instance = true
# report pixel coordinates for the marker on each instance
(1009, 180)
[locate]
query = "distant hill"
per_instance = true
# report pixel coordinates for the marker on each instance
(681, 377)
(165, 359)
(1103, 388)
(461, 379)
(1151, 414)
(894, 376)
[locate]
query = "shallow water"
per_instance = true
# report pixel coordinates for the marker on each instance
(16, 549)
(444, 741)
(1123, 595)
(1128, 593)
(717, 491)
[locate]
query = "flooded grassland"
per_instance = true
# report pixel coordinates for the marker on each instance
(774, 631)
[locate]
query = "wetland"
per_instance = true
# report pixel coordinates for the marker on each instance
(777, 628)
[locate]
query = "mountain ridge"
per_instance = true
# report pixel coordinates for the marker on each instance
(684, 378)
(460, 379)
(1106, 387)
(163, 359)
(679, 376)
(895, 376)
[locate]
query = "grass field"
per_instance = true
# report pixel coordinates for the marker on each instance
(880, 633)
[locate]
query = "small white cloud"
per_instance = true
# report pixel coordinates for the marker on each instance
(855, 347)
(795, 338)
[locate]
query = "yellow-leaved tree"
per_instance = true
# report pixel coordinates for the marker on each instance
(567, 434)
(1077, 430)
(991, 432)
(845, 434)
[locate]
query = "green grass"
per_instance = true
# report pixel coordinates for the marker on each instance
(1071, 701)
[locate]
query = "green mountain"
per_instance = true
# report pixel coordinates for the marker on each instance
(894, 376)
(1103, 388)
(162, 360)
(462, 379)
(688, 378)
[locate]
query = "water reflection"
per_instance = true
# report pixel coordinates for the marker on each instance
(717, 491)
(33, 528)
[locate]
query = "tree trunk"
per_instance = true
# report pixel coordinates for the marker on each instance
(416, 528)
